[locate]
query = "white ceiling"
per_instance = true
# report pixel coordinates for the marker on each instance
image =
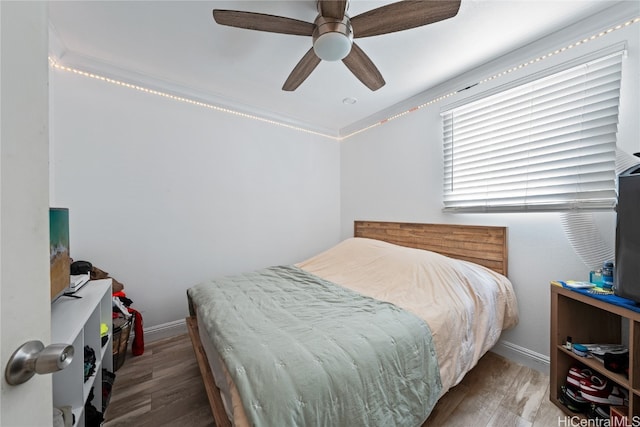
(178, 43)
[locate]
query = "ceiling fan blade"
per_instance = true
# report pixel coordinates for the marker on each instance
(263, 22)
(333, 8)
(363, 68)
(402, 15)
(302, 70)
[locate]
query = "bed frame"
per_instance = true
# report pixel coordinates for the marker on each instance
(484, 245)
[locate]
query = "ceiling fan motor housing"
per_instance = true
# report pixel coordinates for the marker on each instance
(332, 38)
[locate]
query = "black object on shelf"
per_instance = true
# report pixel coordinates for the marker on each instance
(108, 378)
(617, 362)
(93, 417)
(80, 267)
(89, 362)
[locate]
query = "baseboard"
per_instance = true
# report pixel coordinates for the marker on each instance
(523, 356)
(164, 330)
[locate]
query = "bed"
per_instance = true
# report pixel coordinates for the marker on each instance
(370, 332)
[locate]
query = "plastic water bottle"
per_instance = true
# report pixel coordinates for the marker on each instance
(607, 275)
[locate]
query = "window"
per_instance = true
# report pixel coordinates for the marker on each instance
(545, 145)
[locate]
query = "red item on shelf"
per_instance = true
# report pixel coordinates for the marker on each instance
(137, 347)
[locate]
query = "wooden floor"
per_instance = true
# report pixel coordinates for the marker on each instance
(163, 388)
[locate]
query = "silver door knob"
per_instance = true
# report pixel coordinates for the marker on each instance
(33, 358)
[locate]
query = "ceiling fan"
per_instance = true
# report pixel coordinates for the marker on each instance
(333, 32)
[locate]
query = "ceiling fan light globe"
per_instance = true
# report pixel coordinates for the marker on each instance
(332, 46)
(332, 38)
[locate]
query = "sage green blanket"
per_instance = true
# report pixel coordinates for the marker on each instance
(303, 351)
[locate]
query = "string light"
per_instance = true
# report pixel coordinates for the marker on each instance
(500, 74)
(57, 66)
(518, 67)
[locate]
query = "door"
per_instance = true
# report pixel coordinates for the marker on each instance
(25, 304)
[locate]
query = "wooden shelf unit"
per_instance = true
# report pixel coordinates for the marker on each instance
(77, 321)
(589, 320)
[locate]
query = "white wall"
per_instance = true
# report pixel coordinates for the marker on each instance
(163, 194)
(394, 172)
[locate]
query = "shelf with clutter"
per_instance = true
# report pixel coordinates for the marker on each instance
(594, 368)
(124, 319)
(600, 286)
(96, 318)
(78, 319)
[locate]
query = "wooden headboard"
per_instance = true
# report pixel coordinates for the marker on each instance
(484, 245)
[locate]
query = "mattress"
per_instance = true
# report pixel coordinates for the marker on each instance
(466, 306)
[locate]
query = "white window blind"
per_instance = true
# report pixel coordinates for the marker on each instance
(546, 145)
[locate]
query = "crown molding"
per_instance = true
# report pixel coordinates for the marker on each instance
(64, 57)
(619, 12)
(57, 48)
